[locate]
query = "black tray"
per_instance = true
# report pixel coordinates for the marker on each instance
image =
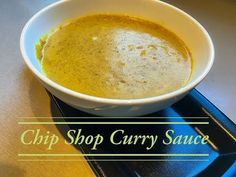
(194, 107)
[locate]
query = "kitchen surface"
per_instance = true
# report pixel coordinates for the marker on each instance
(22, 95)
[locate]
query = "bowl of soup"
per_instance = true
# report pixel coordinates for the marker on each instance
(117, 58)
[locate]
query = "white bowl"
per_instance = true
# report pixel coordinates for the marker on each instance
(174, 19)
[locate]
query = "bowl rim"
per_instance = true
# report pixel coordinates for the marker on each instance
(137, 101)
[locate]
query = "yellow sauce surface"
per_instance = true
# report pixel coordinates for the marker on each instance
(116, 56)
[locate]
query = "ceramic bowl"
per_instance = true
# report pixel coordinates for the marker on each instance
(172, 18)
